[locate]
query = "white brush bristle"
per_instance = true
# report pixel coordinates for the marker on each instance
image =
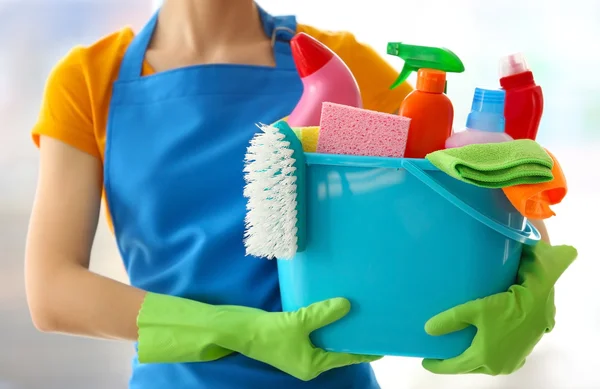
(271, 230)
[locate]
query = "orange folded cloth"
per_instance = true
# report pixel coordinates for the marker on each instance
(534, 200)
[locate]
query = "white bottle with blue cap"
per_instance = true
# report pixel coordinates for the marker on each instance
(485, 123)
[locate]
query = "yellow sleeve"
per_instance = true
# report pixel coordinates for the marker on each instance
(373, 74)
(66, 111)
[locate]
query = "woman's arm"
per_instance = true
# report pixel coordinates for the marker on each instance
(541, 226)
(63, 295)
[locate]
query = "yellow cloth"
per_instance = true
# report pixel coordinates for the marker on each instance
(309, 136)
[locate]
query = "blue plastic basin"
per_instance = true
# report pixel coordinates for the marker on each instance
(402, 241)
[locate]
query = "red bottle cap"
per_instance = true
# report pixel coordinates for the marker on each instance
(431, 80)
(309, 54)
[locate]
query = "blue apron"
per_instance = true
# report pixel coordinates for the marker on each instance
(173, 175)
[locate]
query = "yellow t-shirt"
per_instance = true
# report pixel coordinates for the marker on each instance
(78, 91)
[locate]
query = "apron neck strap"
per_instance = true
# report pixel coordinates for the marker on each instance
(281, 29)
(131, 66)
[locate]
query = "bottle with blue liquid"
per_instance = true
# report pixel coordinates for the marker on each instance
(485, 123)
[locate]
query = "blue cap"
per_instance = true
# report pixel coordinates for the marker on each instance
(487, 110)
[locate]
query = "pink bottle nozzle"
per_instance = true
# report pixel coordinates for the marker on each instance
(309, 54)
(513, 64)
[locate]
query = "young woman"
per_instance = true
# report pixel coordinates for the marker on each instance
(157, 125)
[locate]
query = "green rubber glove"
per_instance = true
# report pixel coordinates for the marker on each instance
(509, 324)
(173, 329)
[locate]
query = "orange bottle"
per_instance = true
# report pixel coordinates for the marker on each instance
(431, 114)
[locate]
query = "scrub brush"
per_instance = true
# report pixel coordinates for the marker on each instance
(275, 175)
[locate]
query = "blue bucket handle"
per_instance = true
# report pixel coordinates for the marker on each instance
(529, 236)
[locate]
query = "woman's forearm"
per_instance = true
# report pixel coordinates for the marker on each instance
(78, 302)
(63, 295)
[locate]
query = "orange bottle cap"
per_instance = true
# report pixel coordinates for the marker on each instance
(431, 80)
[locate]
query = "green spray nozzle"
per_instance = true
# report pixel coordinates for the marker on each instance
(423, 57)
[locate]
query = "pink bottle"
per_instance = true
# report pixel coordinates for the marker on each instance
(326, 78)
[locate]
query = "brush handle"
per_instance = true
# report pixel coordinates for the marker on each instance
(300, 173)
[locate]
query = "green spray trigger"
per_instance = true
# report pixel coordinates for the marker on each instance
(423, 57)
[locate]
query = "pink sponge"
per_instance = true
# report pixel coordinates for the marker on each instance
(355, 131)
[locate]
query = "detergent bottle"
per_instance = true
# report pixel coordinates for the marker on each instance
(431, 114)
(485, 123)
(524, 99)
(325, 77)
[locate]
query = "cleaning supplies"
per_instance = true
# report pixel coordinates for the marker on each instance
(325, 78)
(534, 200)
(309, 136)
(496, 165)
(524, 99)
(275, 187)
(177, 330)
(431, 114)
(356, 131)
(485, 123)
(423, 57)
(509, 324)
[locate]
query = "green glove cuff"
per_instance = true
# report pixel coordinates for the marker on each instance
(173, 329)
(540, 268)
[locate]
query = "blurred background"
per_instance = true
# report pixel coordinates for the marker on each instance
(560, 39)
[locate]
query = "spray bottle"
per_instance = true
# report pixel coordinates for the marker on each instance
(428, 107)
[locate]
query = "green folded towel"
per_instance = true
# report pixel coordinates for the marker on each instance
(496, 165)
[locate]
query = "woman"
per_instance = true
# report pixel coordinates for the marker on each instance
(157, 125)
